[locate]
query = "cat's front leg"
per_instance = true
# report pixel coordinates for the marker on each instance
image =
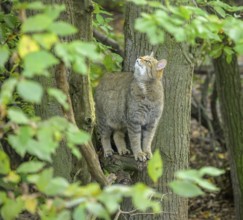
(134, 133)
(148, 135)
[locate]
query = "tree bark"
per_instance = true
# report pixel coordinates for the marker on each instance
(172, 137)
(231, 101)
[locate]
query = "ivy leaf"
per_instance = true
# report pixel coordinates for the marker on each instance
(30, 91)
(4, 163)
(62, 28)
(155, 167)
(185, 188)
(30, 167)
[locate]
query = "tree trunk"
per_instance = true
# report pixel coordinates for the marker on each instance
(231, 101)
(172, 137)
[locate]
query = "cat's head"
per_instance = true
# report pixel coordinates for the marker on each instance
(147, 68)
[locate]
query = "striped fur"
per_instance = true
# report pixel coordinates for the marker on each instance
(133, 103)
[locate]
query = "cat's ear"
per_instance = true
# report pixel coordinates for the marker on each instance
(161, 64)
(152, 54)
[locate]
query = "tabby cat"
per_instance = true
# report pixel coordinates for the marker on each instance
(133, 103)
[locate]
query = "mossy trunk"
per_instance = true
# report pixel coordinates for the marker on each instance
(231, 102)
(172, 137)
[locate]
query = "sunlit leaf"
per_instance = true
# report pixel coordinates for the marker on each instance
(62, 28)
(4, 54)
(11, 209)
(211, 171)
(155, 166)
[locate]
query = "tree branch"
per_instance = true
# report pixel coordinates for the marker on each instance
(108, 42)
(87, 150)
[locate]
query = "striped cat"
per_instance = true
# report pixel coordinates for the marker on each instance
(133, 103)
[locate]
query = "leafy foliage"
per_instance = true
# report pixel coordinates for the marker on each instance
(219, 32)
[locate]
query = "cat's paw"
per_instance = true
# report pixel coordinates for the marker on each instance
(148, 154)
(140, 156)
(123, 151)
(108, 153)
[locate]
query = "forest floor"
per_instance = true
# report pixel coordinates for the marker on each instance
(205, 152)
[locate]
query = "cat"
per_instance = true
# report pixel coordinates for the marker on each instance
(133, 103)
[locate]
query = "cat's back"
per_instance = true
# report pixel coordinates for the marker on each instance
(115, 81)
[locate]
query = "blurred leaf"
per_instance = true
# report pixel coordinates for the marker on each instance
(55, 186)
(30, 167)
(30, 203)
(79, 212)
(185, 188)
(4, 163)
(64, 215)
(141, 196)
(30, 91)
(59, 96)
(12, 208)
(18, 116)
(36, 23)
(211, 171)
(12, 177)
(37, 5)
(54, 10)
(207, 185)
(38, 62)
(78, 137)
(3, 197)
(139, 2)
(62, 28)
(98, 210)
(20, 141)
(46, 40)
(7, 90)
(220, 11)
(155, 166)
(27, 45)
(4, 54)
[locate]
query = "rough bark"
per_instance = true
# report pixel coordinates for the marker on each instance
(172, 137)
(231, 101)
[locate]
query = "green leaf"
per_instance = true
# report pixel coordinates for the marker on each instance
(36, 23)
(18, 116)
(36, 6)
(30, 167)
(4, 163)
(4, 54)
(53, 11)
(30, 91)
(79, 212)
(78, 136)
(98, 210)
(12, 208)
(220, 11)
(207, 185)
(155, 166)
(185, 188)
(46, 40)
(38, 62)
(7, 90)
(20, 141)
(59, 96)
(62, 28)
(211, 171)
(64, 215)
(56, 186)
(141, 196)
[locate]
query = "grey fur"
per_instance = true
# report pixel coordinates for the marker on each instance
(133, 103)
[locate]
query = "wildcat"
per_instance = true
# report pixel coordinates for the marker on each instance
(133, 103)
